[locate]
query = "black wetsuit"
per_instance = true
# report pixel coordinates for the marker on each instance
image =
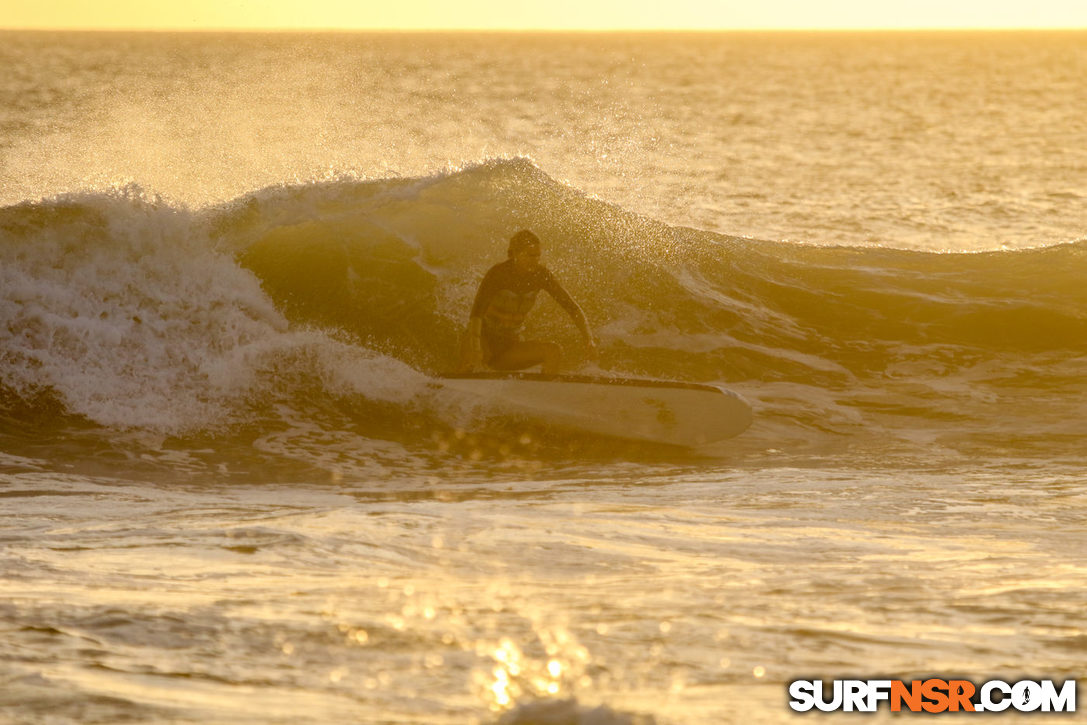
(505, 296)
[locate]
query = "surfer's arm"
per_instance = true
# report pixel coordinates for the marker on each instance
(560, 295)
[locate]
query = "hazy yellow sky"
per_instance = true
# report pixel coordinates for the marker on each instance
(543, 14)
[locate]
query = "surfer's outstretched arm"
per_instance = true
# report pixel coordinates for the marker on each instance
(560, 295)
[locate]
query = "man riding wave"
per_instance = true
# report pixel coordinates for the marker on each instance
(505, 296)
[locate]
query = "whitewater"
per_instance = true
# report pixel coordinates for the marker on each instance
(233, 494)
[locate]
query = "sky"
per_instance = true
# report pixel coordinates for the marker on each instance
(542, 14)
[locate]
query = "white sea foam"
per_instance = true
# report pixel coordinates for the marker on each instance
(129, 314)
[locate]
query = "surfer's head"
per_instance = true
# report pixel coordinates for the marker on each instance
(521, 240)
(524, 250)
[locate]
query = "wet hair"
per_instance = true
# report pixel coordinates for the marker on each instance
(521, 240)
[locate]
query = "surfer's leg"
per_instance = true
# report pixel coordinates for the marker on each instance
(521, 355)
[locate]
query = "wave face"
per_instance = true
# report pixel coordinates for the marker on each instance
(130, 313)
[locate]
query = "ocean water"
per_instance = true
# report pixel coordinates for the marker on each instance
(231, 264)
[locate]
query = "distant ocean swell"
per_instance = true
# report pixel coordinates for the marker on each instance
(124, 311)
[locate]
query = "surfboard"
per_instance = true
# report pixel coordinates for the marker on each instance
(656, 411)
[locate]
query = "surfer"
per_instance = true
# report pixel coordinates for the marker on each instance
(506, 294)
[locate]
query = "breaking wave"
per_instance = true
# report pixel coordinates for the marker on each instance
(128, 312)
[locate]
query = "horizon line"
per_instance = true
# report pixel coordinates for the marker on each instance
(319, 29)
